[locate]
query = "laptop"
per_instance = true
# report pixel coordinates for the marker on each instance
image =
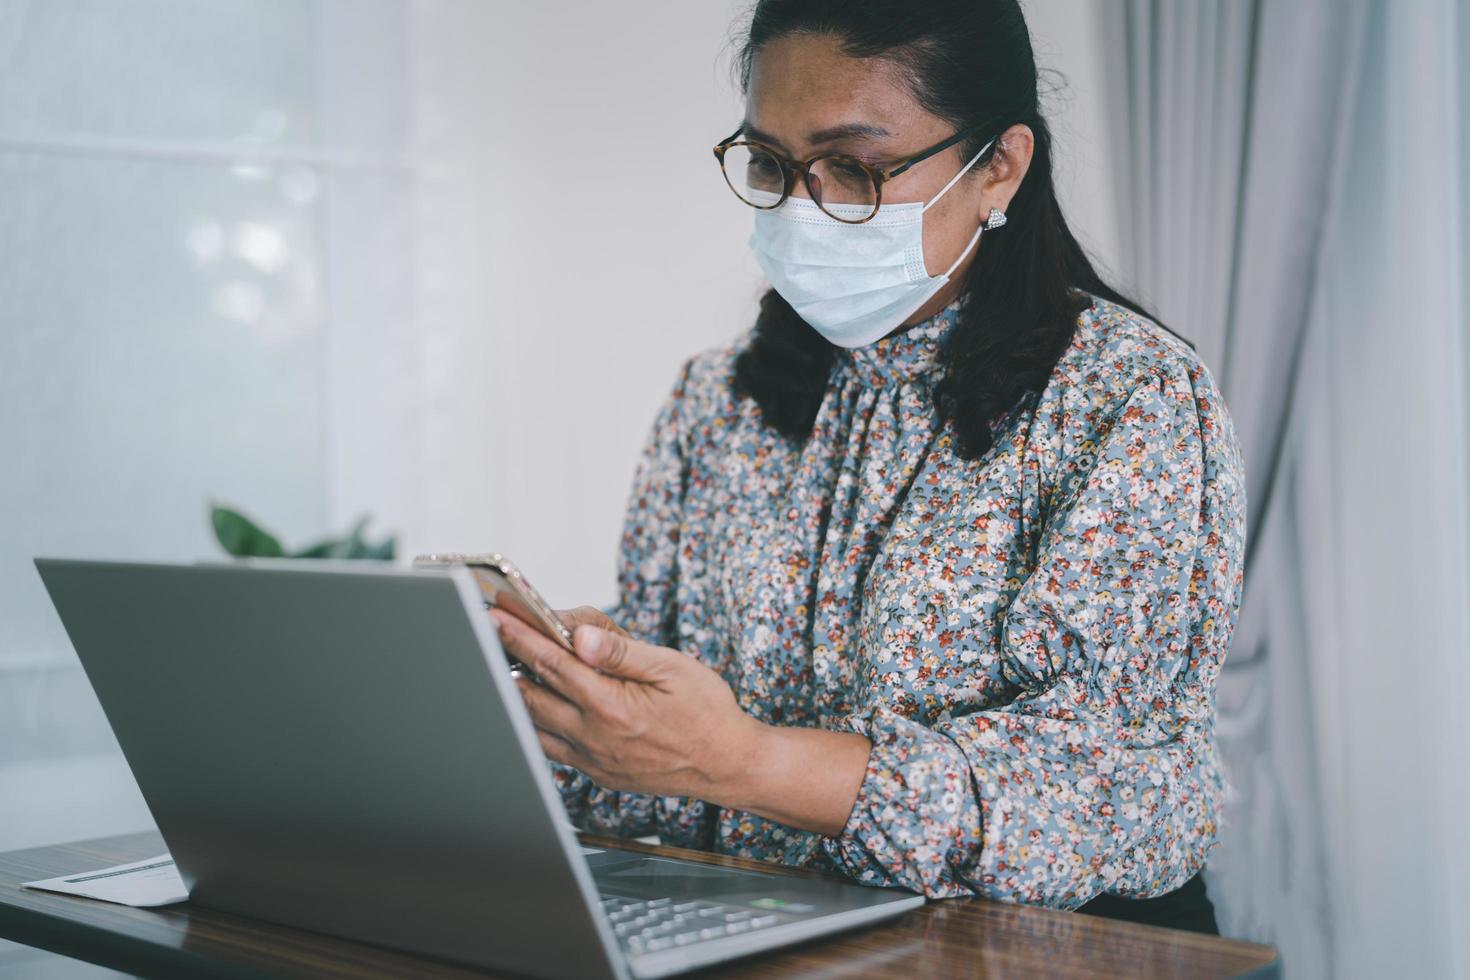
(339, 746)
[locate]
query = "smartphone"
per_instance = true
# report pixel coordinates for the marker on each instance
(504, 587)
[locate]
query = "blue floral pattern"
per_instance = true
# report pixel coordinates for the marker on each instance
(1031, 639)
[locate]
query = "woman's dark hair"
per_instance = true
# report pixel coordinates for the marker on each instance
(967, 61)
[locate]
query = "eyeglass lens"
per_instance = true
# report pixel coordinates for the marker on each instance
(838, 185)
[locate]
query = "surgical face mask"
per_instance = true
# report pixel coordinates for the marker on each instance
(853, 283)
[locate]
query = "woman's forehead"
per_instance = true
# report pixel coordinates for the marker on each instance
(803, 88)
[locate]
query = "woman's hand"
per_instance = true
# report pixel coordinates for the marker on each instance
(647, 719)
(633, 716)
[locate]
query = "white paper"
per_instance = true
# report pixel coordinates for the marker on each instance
(143, 884)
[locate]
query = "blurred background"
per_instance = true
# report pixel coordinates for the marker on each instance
(321, 259)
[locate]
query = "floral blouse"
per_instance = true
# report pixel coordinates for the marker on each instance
(1030, 639)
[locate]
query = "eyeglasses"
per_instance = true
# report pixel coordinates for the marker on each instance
(844, 187)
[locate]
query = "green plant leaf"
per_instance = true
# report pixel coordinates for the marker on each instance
(322, 549)
(241, 537)
(327, 548)
(348, 547)
(353, 546)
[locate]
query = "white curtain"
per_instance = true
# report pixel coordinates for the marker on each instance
(1295, 177)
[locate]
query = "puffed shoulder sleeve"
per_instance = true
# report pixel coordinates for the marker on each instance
(649, 547)
(1101, 774)
(646, 607)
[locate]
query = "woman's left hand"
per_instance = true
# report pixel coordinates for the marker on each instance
(634, 716)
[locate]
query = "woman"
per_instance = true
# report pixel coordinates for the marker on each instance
(929, 576)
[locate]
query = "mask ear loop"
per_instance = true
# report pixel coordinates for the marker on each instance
(973, 240)
(955, 179)
(978, 231)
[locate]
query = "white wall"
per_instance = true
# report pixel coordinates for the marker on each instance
(603, 250)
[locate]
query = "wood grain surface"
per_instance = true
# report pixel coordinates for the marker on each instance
(951, 938)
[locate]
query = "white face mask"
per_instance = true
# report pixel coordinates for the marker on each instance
(852, 282)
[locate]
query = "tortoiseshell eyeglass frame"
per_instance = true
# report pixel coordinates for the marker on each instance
(790, 168)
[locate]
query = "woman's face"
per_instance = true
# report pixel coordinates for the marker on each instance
(807, 97)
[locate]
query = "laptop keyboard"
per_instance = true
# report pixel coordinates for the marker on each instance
(649, 925)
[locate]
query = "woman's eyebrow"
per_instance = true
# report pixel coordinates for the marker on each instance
(829, 135)
(760, 136)
(848, 131)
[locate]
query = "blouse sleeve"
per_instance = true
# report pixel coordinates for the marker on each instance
(1101, 775)
(646, 608)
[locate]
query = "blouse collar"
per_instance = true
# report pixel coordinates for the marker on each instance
(906, 356)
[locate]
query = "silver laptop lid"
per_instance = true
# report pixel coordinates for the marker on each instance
(338, 746)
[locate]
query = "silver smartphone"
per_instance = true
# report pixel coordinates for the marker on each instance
(504, 587)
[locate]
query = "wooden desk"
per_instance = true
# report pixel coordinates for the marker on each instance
(956, 937)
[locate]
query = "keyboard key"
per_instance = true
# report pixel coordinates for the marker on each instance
(650, 925)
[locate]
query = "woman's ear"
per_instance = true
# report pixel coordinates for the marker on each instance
(1008, 166)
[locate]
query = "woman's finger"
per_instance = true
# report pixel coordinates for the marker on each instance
(564, 672)
(550, 712)
(557, 749)
(620, 655)
(589, 616)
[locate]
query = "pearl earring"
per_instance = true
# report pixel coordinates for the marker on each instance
(995, 219)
